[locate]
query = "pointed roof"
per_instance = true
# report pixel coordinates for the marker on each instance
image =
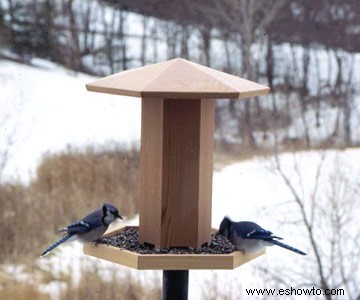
(177, 78)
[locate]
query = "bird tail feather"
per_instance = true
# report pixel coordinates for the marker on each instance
(275, 242)
(56, 244)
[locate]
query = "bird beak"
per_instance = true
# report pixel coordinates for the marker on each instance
(120, 217)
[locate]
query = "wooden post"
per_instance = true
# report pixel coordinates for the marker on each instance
(176, 171)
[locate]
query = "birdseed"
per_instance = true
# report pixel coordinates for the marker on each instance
(129, 240)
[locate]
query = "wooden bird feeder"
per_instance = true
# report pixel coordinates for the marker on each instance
(178, 103)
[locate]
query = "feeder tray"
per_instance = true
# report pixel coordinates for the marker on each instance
(166, 261)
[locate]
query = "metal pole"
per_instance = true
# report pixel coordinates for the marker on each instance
(175, 285)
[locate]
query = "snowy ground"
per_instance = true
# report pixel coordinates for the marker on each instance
(53, 109)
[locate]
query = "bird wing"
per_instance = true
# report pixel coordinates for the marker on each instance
(262, 234)
(258, 234)
(86, 224)
(77, 227)
(251, 230)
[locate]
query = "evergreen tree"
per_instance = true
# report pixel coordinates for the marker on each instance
(21, 29)
(31, 28)
(44, 44)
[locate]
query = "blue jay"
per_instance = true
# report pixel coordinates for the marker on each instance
(88, 229)
(249, 237)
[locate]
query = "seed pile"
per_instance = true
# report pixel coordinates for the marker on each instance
(129, 240)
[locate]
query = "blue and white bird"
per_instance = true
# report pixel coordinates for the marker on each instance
(88, 229)
(249, 237)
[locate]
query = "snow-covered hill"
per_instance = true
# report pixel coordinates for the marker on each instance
(47, 107)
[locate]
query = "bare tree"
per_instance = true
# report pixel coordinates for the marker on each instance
(249, 18)
(8, 141)
(10, 113)
(109, 27)
(74, 41)
(327, 212)
(144, 39)
(171, 31)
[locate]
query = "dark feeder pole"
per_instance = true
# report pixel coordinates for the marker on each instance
(175, 285)
(176, 161)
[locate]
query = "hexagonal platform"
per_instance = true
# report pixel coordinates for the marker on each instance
(167, 261)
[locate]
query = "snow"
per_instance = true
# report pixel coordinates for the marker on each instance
(53, 109)
(50, 109)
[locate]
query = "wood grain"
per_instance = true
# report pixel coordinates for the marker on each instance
(176, 172)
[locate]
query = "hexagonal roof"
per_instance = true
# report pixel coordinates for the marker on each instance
(177, 78)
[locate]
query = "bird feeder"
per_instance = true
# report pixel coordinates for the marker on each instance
(176, 161)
